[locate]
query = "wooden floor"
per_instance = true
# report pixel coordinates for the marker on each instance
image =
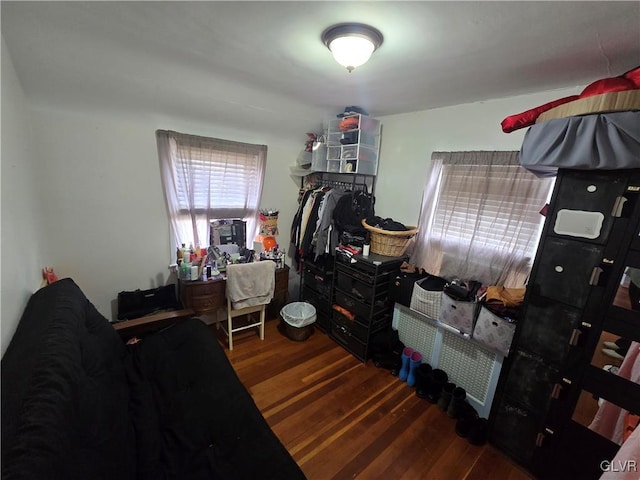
(342, 419)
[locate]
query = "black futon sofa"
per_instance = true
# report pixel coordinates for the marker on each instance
(77, 403)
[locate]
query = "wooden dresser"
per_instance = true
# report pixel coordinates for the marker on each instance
(281, 292)
(203, 297)
(206, 297)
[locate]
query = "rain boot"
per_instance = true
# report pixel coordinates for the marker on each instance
(445, 396)
(404, 370)
(478, 432)
(422, 379)
(467, 415)
(414, 361)
(458, 397)
(436, 381)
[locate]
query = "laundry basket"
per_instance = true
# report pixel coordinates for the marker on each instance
(298, 319)
(387, 242)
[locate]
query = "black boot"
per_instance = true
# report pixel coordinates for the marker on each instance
(445, 396)
(467, 415)
(422, 379)
(397, 349)
(478, 432)
(457, 399)
(437, 379)
(389, 361)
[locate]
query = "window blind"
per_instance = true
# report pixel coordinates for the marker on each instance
(491, 212)
(480, 217)
(207, 179)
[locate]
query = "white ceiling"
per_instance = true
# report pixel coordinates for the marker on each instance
(261, 65)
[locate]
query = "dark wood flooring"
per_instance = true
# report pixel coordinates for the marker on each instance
(342, 419)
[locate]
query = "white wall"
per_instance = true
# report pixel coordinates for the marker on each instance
(24, 242)
(105, 212)
(409, 139)
(104, 220)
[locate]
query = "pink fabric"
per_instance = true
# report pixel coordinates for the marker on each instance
(609, 420)
(622, 467)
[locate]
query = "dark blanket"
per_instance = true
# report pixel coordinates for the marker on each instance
(65, 397)
(78, 404)
(194, 418)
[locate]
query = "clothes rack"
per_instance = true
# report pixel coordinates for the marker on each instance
(353, 182)
(353, 186)
(324, 236)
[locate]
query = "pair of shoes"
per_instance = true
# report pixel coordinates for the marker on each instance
(621, 345)
(410, 362)
(458, 398)
(611, 369)
(389, 361)
(467, 415)
(478, 432)
(612, 353)
(451, 399)
(470, 426)
(436, 381)
(445, 395)
(429, 382)
(422, 379)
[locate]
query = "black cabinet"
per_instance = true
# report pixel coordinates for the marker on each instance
(559, 384)
(564, 271)
(593, 201)
(317, 285)
(361, 289)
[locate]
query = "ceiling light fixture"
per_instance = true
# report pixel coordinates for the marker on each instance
(352, 43)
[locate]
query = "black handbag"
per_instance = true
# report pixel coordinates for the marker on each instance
(138, 303)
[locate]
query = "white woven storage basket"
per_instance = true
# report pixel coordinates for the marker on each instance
(426, 302)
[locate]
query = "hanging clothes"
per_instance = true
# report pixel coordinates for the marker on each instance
(296, 227)
(313, 231)
(327, 238)
(310, 227)
(610, 420)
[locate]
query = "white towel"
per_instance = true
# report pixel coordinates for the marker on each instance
(250, 284)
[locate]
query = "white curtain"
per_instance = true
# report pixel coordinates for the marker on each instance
(206, 179)
(480, 218)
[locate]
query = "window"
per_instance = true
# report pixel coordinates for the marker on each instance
(480, 217)
(207, 179)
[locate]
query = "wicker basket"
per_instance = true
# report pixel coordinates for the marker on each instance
(389, 243)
